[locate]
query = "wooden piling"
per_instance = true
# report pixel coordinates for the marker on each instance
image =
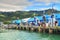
(38, 29)
(50, 31)
(32, 29)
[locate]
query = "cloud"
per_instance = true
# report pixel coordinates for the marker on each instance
(45, 8)
(38, 9)
(8, 5)
(48, 1)
(45, 2)
(16, 2)
(13, 5)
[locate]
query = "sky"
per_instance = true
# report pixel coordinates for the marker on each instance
(26, 5)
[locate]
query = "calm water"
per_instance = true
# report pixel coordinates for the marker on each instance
(25, 35)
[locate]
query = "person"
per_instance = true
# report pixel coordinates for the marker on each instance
(33, 23)
(38, 22)
(17, 21)
(44, 21)
(56, 23)
(52, 21)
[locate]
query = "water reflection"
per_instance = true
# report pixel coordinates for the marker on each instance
(25, 35)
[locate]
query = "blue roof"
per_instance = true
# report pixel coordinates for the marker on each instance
(39, 17)
(48, 16)
(57, 15)
(31, 19)
(13, 21)
(16, 21)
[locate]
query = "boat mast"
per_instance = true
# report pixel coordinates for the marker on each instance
(52, 13)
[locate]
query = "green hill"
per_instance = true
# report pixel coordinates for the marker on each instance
(8, 16)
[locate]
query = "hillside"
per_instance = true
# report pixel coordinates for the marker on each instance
(8, 16)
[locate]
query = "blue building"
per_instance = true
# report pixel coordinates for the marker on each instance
(40, 18)
(57, 16)
(16, 21)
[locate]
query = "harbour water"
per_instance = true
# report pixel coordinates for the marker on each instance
(26, 35)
